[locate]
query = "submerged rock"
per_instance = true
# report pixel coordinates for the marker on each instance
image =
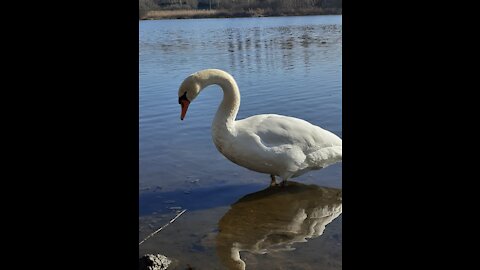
(153, 262)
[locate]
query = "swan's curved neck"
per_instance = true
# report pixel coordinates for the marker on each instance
(228, 109)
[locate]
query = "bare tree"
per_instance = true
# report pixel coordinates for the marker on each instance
(145, 6)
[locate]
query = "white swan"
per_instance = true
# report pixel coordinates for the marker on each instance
(267, 143)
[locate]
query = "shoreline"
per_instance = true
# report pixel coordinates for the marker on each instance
(218, 13)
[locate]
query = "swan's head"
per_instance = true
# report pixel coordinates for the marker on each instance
(188, 91)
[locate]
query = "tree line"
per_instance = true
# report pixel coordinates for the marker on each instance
(237, 5)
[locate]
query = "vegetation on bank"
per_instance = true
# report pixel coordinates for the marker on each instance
(180, 9)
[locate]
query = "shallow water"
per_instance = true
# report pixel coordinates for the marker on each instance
(283, 65)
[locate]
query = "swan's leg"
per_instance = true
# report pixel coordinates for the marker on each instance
(273, 182)
(283, 183)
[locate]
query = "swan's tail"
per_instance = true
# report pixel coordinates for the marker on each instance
(325, 156)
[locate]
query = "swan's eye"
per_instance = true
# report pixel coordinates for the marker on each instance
(183, 97)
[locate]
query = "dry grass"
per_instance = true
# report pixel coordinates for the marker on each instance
(174, 14)
(218, 13)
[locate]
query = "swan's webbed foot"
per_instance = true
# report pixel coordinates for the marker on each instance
(283, 183)
(273, 182)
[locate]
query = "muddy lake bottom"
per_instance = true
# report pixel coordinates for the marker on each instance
(193, 240)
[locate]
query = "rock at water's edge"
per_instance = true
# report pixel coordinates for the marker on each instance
(153, 262)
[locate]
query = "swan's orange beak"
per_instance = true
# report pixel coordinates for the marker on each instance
(184, 103)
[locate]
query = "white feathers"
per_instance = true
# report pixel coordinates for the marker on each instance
(267, 143)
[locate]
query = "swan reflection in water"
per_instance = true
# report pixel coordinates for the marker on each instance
(275, 218)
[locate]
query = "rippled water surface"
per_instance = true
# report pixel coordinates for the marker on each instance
(282, 65)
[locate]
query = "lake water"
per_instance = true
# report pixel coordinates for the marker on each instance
(283, 65)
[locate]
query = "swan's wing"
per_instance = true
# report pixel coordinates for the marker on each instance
(277, 130)
(282, 145)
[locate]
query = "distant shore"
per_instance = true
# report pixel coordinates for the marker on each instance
(219, 13)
